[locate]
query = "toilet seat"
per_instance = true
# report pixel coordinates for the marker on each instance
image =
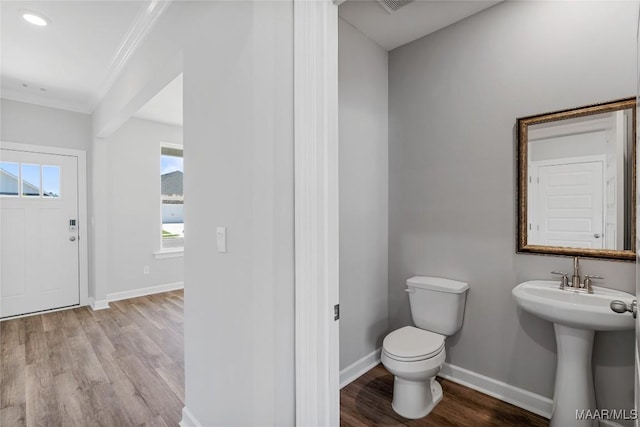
(410, 344)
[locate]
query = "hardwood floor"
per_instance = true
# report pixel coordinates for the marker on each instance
(367, 402)
(118, 367)
(125, 367)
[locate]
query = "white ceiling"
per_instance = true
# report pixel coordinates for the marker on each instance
(72, 62)
(166, 106)
(408, 23)
(76, 57)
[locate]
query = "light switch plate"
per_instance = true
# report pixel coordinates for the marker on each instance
(221, 239)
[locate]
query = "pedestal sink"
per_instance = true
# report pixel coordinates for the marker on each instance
(575, 316)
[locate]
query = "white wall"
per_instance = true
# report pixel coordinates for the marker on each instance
(238, 92)
(133, 199)
(34, 124)
(454, 99)
(239, 305)
(364, 196)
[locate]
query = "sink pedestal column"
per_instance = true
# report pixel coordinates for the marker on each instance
(574, 389)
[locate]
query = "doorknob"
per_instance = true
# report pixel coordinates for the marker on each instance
(72, 238)
(597, 235)
(621, 307)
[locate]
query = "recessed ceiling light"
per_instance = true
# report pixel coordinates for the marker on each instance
(35, 18)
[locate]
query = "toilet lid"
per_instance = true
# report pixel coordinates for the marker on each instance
(412, 343)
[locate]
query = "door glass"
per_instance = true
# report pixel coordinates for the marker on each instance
(30, 180)
(9, 179)
(50, 181)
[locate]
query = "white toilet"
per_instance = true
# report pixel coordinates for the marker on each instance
(415, 355)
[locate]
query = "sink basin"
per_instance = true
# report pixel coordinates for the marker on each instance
(571, 308)
(575, 316)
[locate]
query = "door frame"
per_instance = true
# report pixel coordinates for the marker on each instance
(83, 224)
(317, 370)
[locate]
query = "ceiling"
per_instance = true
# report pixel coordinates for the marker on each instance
(166, 106)
(73, 61)
(408, 23)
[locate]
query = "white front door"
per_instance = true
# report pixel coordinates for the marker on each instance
(570, 209)
(39, 232)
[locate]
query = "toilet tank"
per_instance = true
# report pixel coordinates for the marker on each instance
(437, 304)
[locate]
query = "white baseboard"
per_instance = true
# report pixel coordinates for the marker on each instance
(99, 304)
(516, 396)
(117, 296)
(134, 293)
(188, 420)
(359, 367)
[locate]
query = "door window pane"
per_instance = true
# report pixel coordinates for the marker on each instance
(50, 181)
(30, 180)
(9, 179)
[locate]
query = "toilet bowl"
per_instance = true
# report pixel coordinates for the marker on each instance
(415, 355)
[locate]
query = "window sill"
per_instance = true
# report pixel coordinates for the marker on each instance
(169, 253)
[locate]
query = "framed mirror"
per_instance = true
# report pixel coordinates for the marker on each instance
(576, 182)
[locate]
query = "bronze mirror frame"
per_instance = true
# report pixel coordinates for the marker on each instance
(522, 127)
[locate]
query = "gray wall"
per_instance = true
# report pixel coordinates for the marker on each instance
(35, 124)
(454, 98)
(134, 214)
(364, 195)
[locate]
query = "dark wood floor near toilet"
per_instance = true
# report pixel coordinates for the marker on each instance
(118, 367)
(367, 402)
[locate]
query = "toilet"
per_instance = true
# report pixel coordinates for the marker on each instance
(414, 355)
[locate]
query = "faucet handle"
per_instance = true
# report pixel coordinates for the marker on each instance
(587, 281)
(564, 280)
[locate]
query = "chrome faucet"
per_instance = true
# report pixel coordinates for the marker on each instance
(576, 282)
(575, 279)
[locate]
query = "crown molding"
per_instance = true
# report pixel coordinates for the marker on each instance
(142, 25)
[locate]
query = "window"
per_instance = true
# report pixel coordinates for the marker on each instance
(29, 180)
(9, 178)
(172, 197)
(50, 181)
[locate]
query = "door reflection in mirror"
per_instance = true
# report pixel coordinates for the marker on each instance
(577, 179)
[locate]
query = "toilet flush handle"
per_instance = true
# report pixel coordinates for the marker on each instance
(409, 290)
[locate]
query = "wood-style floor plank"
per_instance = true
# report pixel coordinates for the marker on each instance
(12, 364)
(132, 403)
(123, 366)
(13, 416)
(41, 397)
(367, 402)
(173, 375)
